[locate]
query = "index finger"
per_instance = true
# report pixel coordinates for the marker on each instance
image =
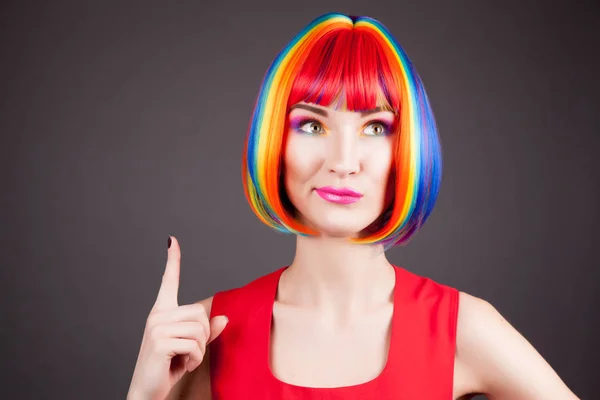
(167, 294)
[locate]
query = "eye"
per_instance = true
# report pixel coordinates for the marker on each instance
(311, 126)
(377, 128)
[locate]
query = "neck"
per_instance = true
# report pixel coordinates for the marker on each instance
(336, 275)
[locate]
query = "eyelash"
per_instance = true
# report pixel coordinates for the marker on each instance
(297, 124)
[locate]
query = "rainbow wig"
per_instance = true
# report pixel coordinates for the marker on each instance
(357, 57)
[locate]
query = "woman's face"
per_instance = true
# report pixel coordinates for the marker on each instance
(337, 166)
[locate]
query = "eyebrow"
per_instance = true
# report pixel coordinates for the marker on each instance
(324, 113)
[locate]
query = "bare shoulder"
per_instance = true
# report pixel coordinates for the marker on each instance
(196, 384)
(466, 382)
(495, 359)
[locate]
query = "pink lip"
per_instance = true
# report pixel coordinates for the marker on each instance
(339, 196)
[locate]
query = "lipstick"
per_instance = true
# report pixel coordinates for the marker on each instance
(338, 195)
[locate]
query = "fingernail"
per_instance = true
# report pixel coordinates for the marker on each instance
(169, 243)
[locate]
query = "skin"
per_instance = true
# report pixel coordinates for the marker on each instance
(337, 294)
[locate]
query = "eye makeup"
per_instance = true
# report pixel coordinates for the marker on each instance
(387, 127)
(297, 122)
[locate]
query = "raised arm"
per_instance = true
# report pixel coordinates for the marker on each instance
(175, 338)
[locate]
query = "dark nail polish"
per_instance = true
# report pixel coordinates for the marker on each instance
(169, 243)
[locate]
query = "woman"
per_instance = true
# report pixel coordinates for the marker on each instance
(343, 152)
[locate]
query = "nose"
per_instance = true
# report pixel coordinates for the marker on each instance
(342, 155)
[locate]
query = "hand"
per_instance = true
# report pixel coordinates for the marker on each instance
(175, 337)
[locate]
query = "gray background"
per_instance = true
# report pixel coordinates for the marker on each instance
(122, 123)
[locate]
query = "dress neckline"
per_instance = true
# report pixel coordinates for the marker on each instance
(391, 352)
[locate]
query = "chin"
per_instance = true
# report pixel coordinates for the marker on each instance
(339, 225)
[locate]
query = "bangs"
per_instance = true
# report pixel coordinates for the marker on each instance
(347, 69)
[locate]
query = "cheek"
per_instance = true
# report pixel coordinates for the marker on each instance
(378, 163)
(301, 159)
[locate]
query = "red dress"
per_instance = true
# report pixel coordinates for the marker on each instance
(420, 363)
